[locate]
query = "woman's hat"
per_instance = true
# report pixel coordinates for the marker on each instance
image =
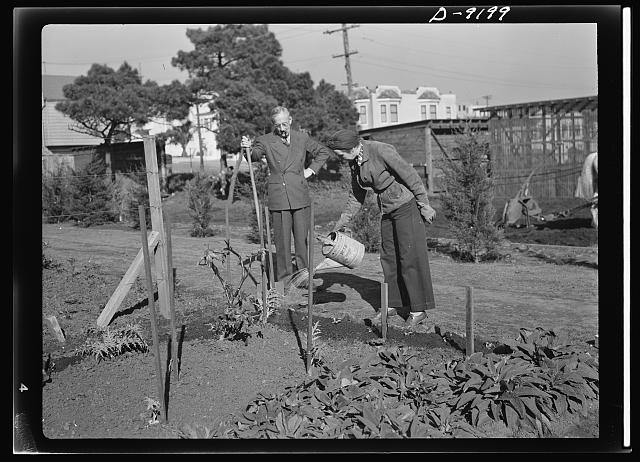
(343, 140)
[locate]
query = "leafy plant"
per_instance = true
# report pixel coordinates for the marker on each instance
(107, 343)
(243, 310)
(136, 194)
(384, 396)
(391, 394)
(178, 181)
(199, 203)
(154, 407)
(56, 194)
(317, 347)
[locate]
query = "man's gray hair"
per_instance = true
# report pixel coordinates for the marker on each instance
(279, 110)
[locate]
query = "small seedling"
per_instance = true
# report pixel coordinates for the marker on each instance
(154, 407)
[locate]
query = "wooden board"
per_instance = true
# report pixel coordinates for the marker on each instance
(55, 328)
(127, 281)
(157, 224)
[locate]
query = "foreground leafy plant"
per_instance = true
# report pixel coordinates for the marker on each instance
(391, 394)
(108, 343)
(538, 381)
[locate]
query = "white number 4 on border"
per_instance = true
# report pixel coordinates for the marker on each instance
(23, 387)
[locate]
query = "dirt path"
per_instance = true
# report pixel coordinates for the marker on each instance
(507, 296)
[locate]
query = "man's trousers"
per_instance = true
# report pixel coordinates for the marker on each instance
(284, 223)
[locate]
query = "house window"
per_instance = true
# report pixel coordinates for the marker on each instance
(432, 111)
(423, 112)
(448, 112)
(383, 113)
(393, 109)
(363, 115)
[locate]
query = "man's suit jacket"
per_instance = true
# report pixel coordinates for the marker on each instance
(287, 188)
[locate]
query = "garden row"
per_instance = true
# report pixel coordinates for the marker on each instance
(539, 380)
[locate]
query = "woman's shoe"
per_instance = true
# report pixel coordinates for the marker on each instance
(416, 317)
(378, 317)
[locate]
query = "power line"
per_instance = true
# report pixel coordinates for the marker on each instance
(477, 77)
(493, 81)
(430, 51)
(429, 37)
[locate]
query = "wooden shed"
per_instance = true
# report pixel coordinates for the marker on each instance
(425, 143)
(550, 138)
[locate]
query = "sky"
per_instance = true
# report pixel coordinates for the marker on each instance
(483, 64)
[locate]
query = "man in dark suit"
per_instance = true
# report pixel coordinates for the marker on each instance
(287, 190)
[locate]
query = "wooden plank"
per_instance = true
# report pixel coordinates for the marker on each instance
(157, 223)
(55, 328)
(126, 282)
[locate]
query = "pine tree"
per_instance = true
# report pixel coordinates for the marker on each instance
(56, 194)
(137, 194)
(468, 201)
(199, 203)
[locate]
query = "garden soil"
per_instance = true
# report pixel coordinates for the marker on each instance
(532, 286)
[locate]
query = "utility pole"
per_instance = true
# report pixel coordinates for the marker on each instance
(486, 98)
(199, 134)
(347, 53)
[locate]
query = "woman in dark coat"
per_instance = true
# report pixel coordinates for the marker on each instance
(405, 209)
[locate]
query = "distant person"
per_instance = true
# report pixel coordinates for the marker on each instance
(405, 209)
(287, 190)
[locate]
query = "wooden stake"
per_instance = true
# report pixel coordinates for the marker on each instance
(310, 292)
(272, 279)
(384, 305)
(152, 310)
(172, 308)
(229, 203)
(155, 205)
(259, 217)
(228, 235)
(470, 345)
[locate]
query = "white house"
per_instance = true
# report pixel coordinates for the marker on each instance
(388, 105)
(207, 127)
(57, 134)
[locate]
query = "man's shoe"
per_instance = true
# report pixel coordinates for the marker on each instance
(416, 318)
(378, 317)
(296, 302)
